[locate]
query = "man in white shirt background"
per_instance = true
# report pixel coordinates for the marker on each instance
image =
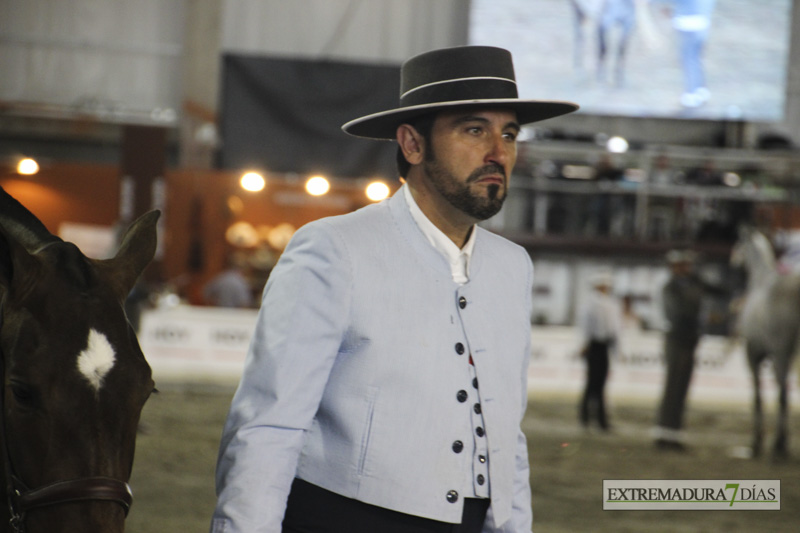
(600, 325)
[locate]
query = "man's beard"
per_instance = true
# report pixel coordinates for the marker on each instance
(458, 194)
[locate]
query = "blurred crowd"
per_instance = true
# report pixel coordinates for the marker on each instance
(664, 201)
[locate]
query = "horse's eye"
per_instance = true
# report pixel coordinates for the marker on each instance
(24, 394)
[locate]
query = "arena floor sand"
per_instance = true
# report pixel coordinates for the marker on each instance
(176, 453)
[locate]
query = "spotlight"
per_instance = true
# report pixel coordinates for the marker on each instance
(317, 186)
(253, 182)
(732, 179)
(27, 167)
(377, 191)
(617, 145)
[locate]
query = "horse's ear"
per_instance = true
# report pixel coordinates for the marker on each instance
(16, 264)
(135, 252)
(18, 222)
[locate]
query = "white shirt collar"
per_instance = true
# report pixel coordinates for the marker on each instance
(457, 258)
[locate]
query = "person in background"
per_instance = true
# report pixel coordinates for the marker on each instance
(682, 298)
(664, 211)
(691, 19)
(631, 321)
(705, 174)
(387, 377)
(602, 204)
(229, 288)
(600, 325)
(663, 174)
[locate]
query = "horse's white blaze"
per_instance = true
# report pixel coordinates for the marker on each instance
(97, 359)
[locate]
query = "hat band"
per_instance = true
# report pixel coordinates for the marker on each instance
(462, 89)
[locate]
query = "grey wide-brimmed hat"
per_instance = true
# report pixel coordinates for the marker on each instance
(460, 76)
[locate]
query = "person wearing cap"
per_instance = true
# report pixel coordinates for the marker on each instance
(600, 325)
(682, 297)
(386, 381)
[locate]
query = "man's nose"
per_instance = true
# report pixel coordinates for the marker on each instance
(502, 151)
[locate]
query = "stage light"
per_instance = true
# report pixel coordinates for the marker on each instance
(617, 145)
(317, 186)
(253, 182)
(377, 191)
(732, 179)
(27, 167)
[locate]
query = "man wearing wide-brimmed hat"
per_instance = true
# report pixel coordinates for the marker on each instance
(682, 297)
(386, 381)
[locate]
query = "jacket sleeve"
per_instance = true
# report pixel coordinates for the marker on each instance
(299, 330)
(521, 507)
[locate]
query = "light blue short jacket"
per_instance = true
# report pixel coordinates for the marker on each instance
(353, 377)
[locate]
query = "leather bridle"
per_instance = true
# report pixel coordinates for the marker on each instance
(22, 499)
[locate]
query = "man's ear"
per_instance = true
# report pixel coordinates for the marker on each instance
(411, 143)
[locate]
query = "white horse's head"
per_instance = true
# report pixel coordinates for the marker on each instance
(754, 253)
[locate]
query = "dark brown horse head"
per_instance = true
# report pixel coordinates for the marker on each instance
(74, 377)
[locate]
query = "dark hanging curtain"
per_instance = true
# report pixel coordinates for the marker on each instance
(285, 115)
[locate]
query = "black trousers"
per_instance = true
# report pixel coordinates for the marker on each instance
(312, 509)
(596, 376)
(679, 352)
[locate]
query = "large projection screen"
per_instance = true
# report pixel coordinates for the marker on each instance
(694, 59)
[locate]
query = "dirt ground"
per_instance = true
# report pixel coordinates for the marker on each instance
(176, 452)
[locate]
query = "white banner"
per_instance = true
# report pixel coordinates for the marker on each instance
(205, 342)
(190, 342)
(637, 369)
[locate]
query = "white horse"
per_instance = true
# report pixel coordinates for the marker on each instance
(769, 323)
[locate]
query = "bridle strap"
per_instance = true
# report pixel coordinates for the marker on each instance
(21, 499)
(76, 490)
